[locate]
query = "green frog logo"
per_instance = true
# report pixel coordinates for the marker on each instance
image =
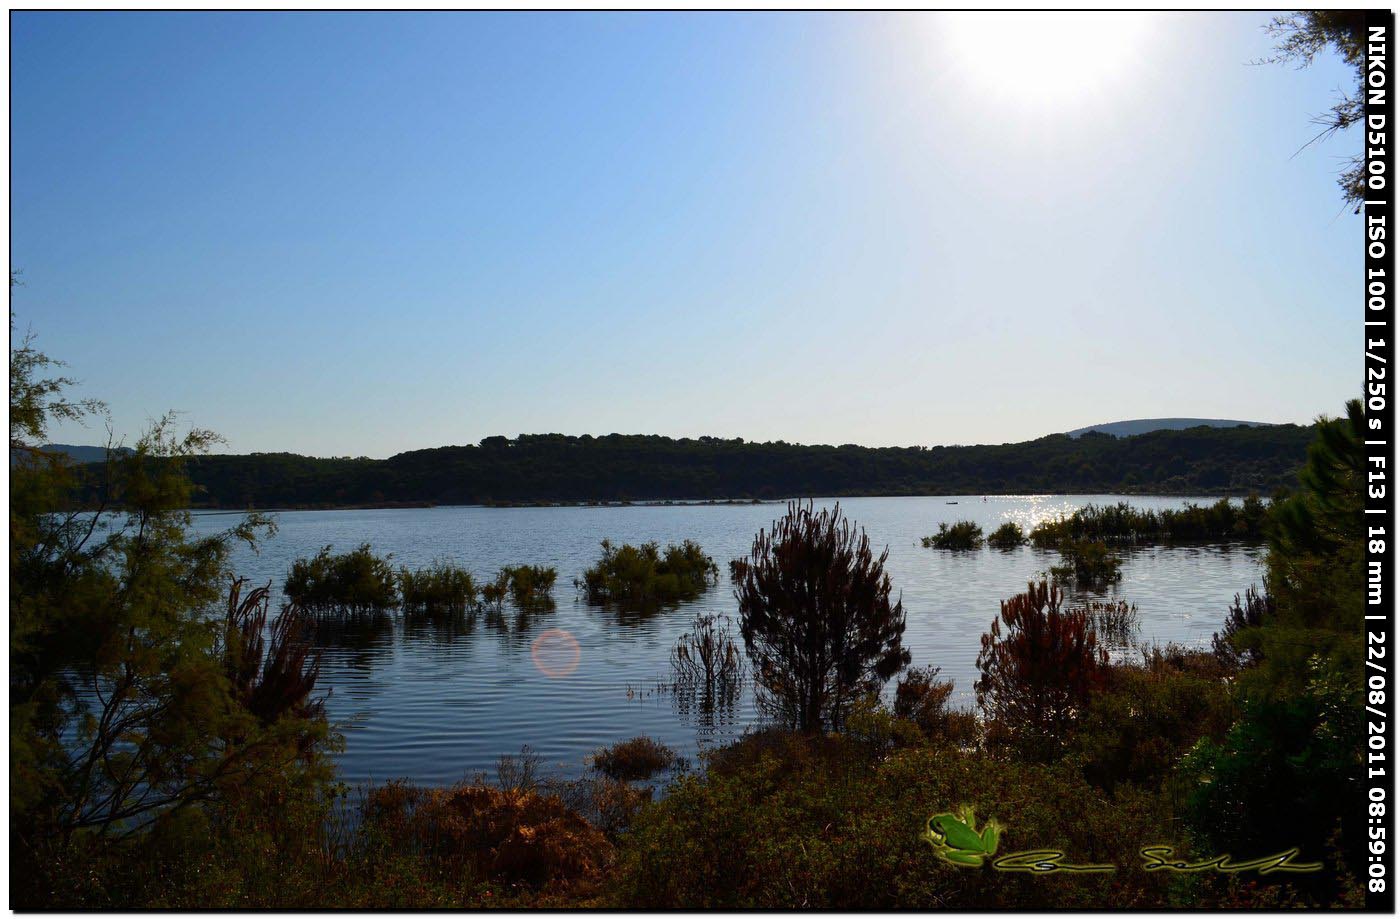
(955, 839)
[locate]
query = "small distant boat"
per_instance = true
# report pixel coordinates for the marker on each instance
(950, 502)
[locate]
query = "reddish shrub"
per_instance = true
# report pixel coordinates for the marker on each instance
(1039, 666)
(512, 835)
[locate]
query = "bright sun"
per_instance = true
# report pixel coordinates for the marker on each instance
(1042, 60)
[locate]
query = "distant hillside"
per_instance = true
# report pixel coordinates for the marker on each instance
(1146, 425)
(78, 454)
(553, 468)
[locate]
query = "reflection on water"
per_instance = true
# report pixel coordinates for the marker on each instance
(356, 641)
(437, 699)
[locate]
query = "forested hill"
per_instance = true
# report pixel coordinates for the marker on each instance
(557, 468)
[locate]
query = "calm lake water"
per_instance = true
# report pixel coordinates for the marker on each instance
(436, 704)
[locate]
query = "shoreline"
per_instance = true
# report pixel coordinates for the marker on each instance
(705, 502)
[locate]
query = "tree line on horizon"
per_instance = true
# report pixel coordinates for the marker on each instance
(550, 468)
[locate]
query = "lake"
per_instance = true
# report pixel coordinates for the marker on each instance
(435, 704)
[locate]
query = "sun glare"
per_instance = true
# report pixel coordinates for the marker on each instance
(1052, 61)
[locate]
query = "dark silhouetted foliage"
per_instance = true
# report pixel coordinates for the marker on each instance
(1007, 536)
(922, 698)
(354, 582)
(817, 618)
(1123, 524)
(638, 758)
(147, 703)
(1115, 622)
(440, 589)
(273, 672)
(1300, 736)
(707, 656)
(1236, 644)
(1086, 565)
(558, 468)
(961, 535)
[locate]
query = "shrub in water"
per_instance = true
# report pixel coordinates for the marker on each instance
(1007, 536)
(443, 588)
(271, 672)
(530, 584)
(1114, 621)
(1088, 565)
(494, 593)
(1122, 524)
(641, 575)
(356, 582)
(638, 758)
(707, 656)
(962, 535)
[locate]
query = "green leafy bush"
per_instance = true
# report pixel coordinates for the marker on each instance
(357, 582)
(644, 575)
(443, 588)
(1007, 536)
(1297, 749)
(962, 535)
(530, 584)
(1087, 565)
(1148, 715)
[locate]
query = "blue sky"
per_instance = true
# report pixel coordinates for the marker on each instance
(358, 234)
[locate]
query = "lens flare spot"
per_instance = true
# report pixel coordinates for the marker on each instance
(555, 653)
